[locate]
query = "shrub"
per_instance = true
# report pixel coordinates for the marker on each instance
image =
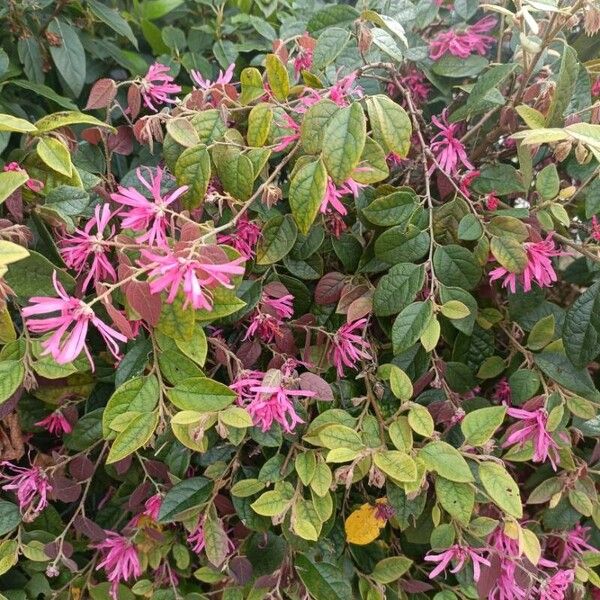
(325, 326)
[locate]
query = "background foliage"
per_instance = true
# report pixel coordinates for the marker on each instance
(312, 311)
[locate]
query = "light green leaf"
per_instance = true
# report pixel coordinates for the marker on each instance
(307, 189)
(501, 488)
(56, 155)
(201, 394)
(390, 124)
(479, 425)
(446, 461)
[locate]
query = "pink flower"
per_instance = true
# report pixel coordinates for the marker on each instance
(56, 423)
(460, 555)
(120, 560)
(334, 194)
(506, 586)
(197, 540)
(144, 214)
(303, 60)
(532, 427)
(70, 326)
(344, 89)
(348, 346)
(464, 43)
(596, 88)
(556, 587)
(207, 84)
(575, 542)
(35, 185)
(539, 267)
(31, 486)
(244, 240)
(268, 318)
(267, 399)
(466, 181)
(449, 151)
(157, 86)
(595, 228)
(195, 275)
(416, 83)
(492, 202)
(77, 248)
(502, 392)
(285, 140)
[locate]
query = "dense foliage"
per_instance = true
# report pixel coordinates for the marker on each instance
(299, 300)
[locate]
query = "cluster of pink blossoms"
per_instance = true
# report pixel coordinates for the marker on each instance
(274, 306)
(244, 238)
(268, 399)
(70, 325)
(349, 346)
(56, 423)
(539, 267)
(157, 87)
(120, 560)
(464, 43)
(31, 486)
(334, 194)
(449, 151)
(197, 540)
(459, 555)
(206, 84)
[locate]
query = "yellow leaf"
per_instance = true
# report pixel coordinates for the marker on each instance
(363, 525)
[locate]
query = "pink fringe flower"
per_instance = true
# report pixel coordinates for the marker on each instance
(244, 240)
(77, 248)
(197, 540)
(556, 586)
(465, 182)
(194, 276)
(532, 427)
(206, 84)
(539, 267)
(157, 87)
(502, 392)
(56, 423)
(31, 486)
(460, 555)
(449, 151)
(35, 185)
(574, 542)
(266, 398)
(268, 318)
(151, 510)
(348, 346)
(147, 216)
(492, 202)
(285, 140)
(345, 89)
(595, 228)
(120, 561)
(70, 326)
(464, 43)
(333, 195)
(303, 60)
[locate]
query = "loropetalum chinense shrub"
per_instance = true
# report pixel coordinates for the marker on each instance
(325, 326)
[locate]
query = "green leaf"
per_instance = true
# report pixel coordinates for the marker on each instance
(68, 56)
(456, 266)
(491, 367)
(175, 321)
(566, 80)
(420, 420)
(10, 123)
(235, 416)
(372, 166)
(547, 183)
(12, 373)
(390, 569)
(398, 465)
(135, 435)
(329, 46)
(340, 436)
(581, 328)
(344, 141)
(216, 540)
(314, 124)
(470, 228)
(390, 124)
(501, 488)
(252, 85)
(542, 333)
(457, 499)
(455, 67)
(236, 172)
(10, 181)
(183, 496)
(400, 383)
(201, 394)
(56, 155)
(322, 579)
(533, 118)
(193, 169)
(410, 324)
(394, 209)
(247, 487)
(278, 238)
(67, 118)
(10, 517)
(136, 395)
(307, 189)
(259, 124)
(195, 348)
(397, 289)
(455, 309)
(501, 179)
(113, 19)
(277, 75)
(479, 425)
(446, 461)
(321, 481)
(490, 80)
(508, 227)
(209, 125)
(273, 503)
(9, 554)
(399, 244)
(386, 43)
(44, 91)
